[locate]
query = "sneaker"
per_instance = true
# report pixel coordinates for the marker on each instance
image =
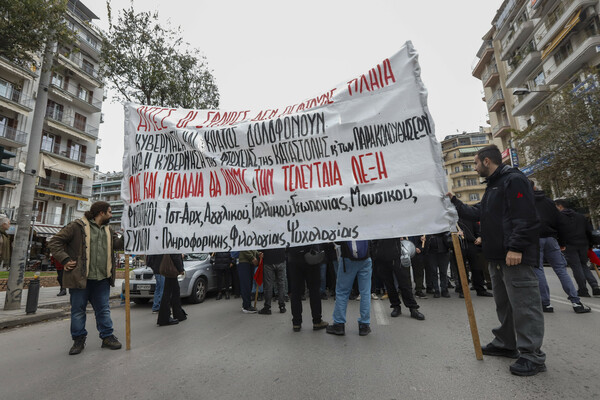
(436, 295)
(296, 328)
(461, 295)
(450, 285)
(154, 311)
(323, 296)
(336, 329)
(416, 314)
(62, 292)
(596, 291)
(548, 309)
(364, 329)
(357, 298)
(374, 296)
(265, 311)
(525, 367)
(111, 342)
(446, 294)
(583, 293)
(579, 308)
(430, 291)
(385, 296)
(282, 309)
(78, 345)
(419, 294)
(320, 325)
(491, 350)
(396, 312)
(485, 293)
(219, 296)
(249, 310)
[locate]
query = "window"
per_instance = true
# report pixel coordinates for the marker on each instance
(48, 141)
(54, 110)
(80, 122)
(88, 67)
(457, 169)
(75, 152)
(540, 79)
(478, 140)
(58, 80)
(84, 94)
(474, 196)
(472, 182)
(457, 183)
(563, 52)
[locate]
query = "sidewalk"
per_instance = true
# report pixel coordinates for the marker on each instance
(49, 306)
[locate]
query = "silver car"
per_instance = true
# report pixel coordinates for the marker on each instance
(199, 279)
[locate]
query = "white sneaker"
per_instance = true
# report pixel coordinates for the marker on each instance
(358, 298)
(374, 296)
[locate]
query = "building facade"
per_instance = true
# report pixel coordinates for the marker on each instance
(458, 152)
(534, 49)
(70, 132)
(107, 187)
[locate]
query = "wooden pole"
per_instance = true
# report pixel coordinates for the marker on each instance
(467, 293)
(256, 295)
(127, 306)
(596, 268)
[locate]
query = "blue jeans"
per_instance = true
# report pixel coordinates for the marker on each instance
(97, 293)
(362, 270)
(550, 249)
(158, 291)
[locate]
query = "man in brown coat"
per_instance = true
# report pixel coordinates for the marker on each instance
(86, 248)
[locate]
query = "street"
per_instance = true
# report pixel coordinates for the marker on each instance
(221, 353)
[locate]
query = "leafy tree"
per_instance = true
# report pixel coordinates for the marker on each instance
(146, 63)
(27, 25)
(565, 143)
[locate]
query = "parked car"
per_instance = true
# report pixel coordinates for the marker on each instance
(199, 279)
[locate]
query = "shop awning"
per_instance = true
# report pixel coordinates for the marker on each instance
(561, 35)
(61, 194)
(65, 167)
(46, 231)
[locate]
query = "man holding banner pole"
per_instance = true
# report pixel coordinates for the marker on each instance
(510, 231)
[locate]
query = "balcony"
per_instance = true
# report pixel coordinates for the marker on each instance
(464, 172)
(556, 22)
(14, 175)
(63, 186)
(501, 129)
(491, 77)
(17, 70)
(525, 67)
(580, 57)
(113, 189)
(57, 120)
(467, 188)
(516, 39)
(52, 219)
(538, 6)
(13, 99)
(485, 53)
(84, 71)
(69, 154)
(81, 97)
(496, 101)
(15, 137)
(529, 102)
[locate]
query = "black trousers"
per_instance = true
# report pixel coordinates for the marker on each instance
(386, 271)
(235, 280)
(171, 299)
(59, 277)
(474, 256)
(223, 277)
(300, 272)
(418, 267)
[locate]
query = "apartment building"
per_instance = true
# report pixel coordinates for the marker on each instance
(107, 187)
(458, 152)
(534, 49)
(70, 132)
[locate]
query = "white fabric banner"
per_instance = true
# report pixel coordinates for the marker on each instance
(359, 161)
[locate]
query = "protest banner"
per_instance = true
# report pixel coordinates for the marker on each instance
(358, 161)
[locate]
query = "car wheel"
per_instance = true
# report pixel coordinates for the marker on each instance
(198, 291)
(140, 300)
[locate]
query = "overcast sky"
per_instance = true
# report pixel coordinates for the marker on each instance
(268, 53)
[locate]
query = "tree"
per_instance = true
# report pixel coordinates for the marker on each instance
(564, 142)
(146, 63)
(27, 25)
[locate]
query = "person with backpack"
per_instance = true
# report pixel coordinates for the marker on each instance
(356, 263)
(389, 262)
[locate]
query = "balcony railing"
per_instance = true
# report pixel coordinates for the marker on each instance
(80, 95)
(64, 185)
(13, 175)
(58, 116)
(12, 94)
(88, 70)
(496, 98)
(490, 71)
(69, 153)
(11, 133)
(53, 218)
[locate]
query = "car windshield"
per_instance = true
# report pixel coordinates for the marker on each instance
(195, 257)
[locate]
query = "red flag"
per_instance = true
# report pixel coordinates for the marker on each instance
(593, 257)
(258, 275)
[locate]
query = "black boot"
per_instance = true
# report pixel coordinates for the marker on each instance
(78, 345)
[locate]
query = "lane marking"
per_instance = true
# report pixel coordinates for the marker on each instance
(380, 314)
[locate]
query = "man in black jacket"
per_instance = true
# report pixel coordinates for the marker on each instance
(578, 240)
(509, 231)
(552, 238)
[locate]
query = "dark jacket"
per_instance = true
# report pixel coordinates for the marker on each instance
(386, 249)
(153, 261)
(507, 215)
(73, 243)
(274, 256)
(222, 260)
(437, 243)
(416, 240)
(347, 253)
(578, 229)
(552, 223)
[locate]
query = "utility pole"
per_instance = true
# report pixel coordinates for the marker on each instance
(16, 276)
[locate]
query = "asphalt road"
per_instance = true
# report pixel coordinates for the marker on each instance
(221, 353)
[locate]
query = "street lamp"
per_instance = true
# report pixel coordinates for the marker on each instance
(523, 91)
